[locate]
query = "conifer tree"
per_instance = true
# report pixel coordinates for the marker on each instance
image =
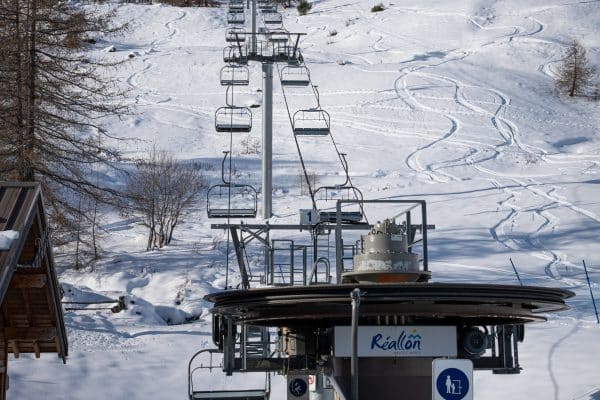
(575, 74)
(52, 101)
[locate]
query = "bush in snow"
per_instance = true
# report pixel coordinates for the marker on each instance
(303, 7)
(161, 191)
(377, 7)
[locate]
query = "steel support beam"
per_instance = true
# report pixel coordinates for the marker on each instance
(253, 37)
(239, 253)
(267, 143)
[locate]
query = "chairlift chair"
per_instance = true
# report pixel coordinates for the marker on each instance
(237, 4)
(273, 19)
(235, 10)
(311, 122)
(236, 7)
(236, 394)
(236, 35)
(295, 76)
(235, 54)
(278, 36)
(233, 119)
(266, 6)
(236, 18)
(282, 50)
(234, 75)
(341, 192)
(231, 200)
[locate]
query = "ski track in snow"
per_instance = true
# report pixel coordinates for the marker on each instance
(508, 132)
(553, 349)
(172, 30)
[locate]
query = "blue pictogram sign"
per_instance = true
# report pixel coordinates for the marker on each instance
(298, 387)
(452, 384)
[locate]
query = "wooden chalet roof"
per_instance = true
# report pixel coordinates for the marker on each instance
(31, 315)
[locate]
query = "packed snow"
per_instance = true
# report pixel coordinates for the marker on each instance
(7, 238)
(444, 100)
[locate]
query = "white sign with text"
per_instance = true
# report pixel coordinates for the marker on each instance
(397, 341)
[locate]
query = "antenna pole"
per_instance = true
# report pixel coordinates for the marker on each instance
(591, 292)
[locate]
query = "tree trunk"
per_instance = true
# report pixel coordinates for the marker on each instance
(27, 173)
(19, 84)
(150, 239)
(574, 82)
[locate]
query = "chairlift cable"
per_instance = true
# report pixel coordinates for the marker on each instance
(342, 161)
(229, 190)
(310, 189)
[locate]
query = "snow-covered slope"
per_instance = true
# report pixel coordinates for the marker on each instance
(448, 101)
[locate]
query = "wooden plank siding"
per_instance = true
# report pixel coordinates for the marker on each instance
(31, 315)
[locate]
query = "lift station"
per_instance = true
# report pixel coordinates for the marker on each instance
(343, 307)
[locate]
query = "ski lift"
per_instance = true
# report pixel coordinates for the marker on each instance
(236, 8)
(226, 394)
(345, 191)
(237, 5)
(231, 200)
(295, 76)
(235, 54)
(235, 75)
(266, 6)
(281, 50)
(278, 36)
(237, 35)
(268, 10)
(311, 122)
(272, 19)
(236, 18)
(338, 192)
(233, 119)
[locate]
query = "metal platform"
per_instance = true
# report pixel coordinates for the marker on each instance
(428, 303)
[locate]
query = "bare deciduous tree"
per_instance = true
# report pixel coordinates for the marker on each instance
(250, 145)
(575, 74)
(162, 190)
